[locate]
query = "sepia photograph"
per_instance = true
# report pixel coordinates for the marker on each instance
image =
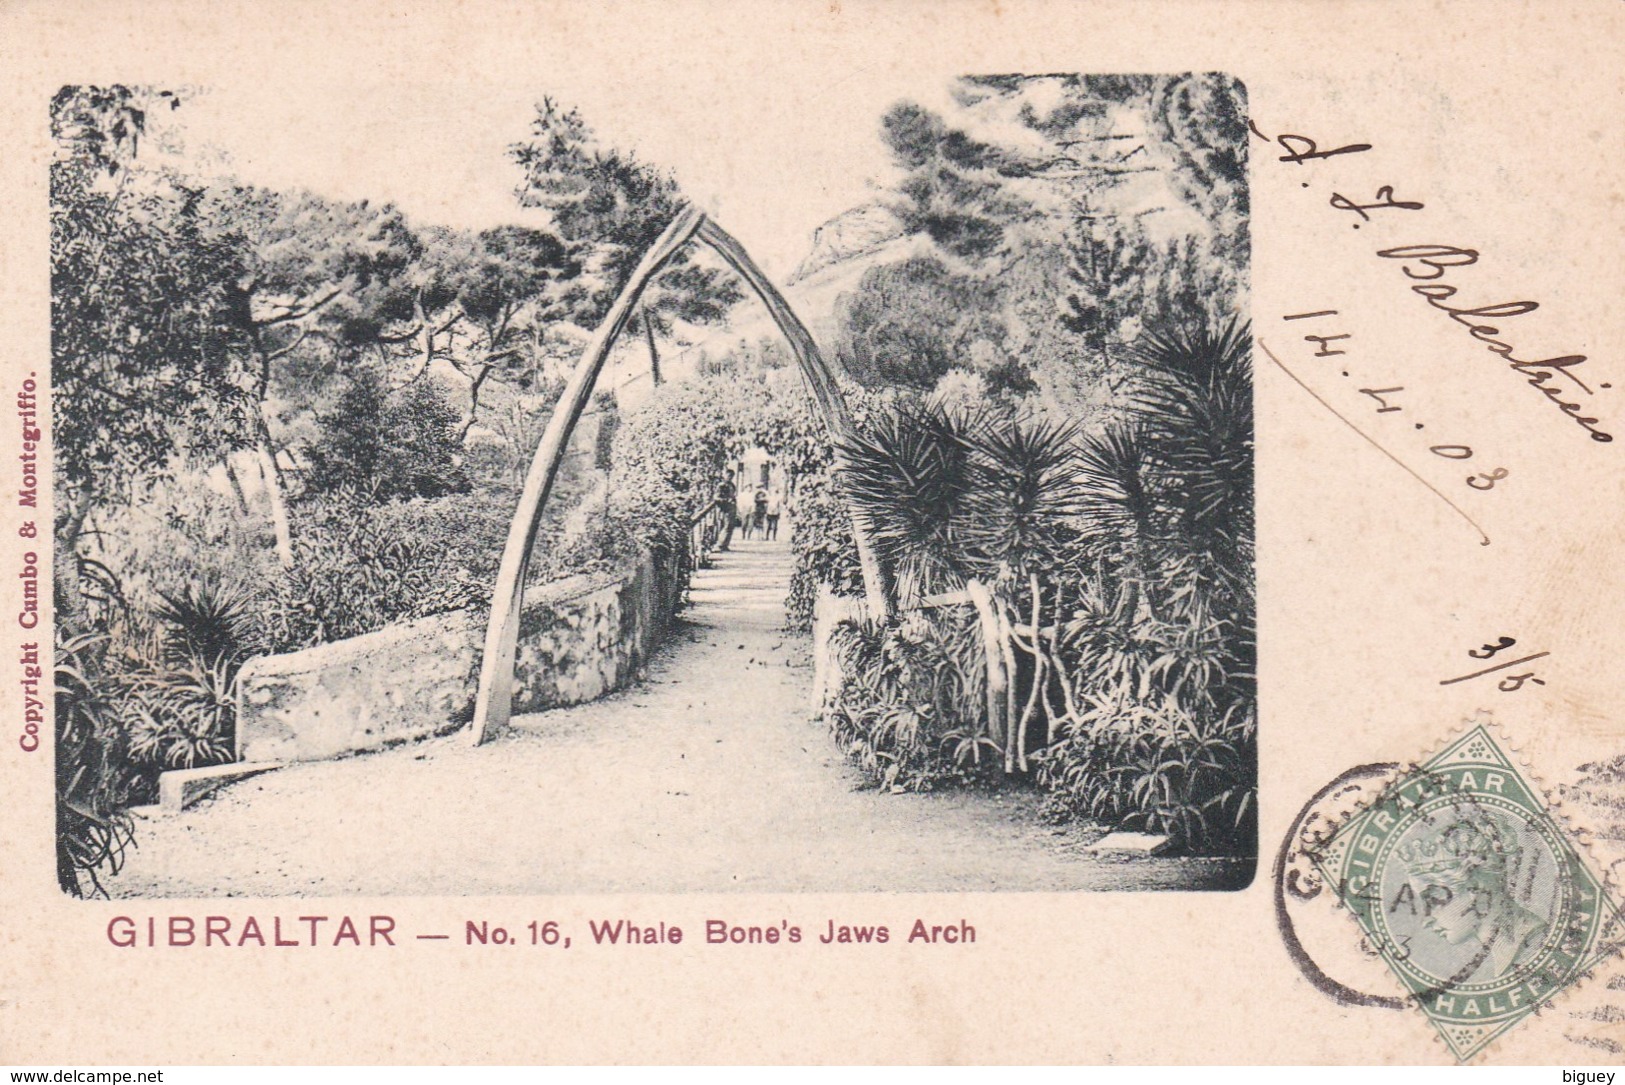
(551, 541)
(811, 532)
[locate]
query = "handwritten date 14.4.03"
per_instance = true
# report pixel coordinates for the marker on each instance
(1331, 342)
(1387, 401)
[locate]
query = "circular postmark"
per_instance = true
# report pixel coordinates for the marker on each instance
(1299, 883)
(1472, 896)
(1470, 891)
(1462, 884)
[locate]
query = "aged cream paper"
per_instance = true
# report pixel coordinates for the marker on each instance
(1374, 578)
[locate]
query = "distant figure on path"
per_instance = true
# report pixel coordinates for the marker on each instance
(775, 505)
(758, 514)
(727, 500)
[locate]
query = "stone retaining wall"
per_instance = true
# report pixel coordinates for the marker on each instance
(579, 638)
(829, 610)
(583, 637)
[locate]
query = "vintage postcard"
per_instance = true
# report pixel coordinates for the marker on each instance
(812, 532)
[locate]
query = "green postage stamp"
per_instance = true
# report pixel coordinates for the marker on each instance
(1470, 889)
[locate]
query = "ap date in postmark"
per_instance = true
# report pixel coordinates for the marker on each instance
(1470, 891)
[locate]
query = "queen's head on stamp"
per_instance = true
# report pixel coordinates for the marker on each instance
(1473, 879)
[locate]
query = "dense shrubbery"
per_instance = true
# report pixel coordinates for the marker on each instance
(93, 782)
(907, 711)
(154, 692)
(182, 589)
(182, 593)
(360, 567)
(603, 538)
(1103, 642)
(1087, 586)
(389, 445)
(672, 454)
(1159, 769)
(669, 458)
(820, 519)
(821, 541)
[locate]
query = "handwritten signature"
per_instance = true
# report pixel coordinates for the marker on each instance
(1426, 266)
(1436, 259)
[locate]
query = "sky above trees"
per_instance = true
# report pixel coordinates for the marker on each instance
(771, 166)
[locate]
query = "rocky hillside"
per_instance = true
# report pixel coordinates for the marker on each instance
(848, 237)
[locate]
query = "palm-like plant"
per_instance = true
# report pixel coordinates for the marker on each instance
(1115, 485)
(974, 501)
(1147, 529)
(1197, 407)
(953, 494)
(1028, 489)
(1161, 645)
(912, 475)
(1169, 492)
(207, 622)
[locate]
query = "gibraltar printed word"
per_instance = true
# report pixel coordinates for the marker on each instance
(1471, 892)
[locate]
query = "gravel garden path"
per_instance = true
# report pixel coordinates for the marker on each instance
(707, 776)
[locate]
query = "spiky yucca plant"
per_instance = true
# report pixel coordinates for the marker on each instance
(1028, 491)
(963, 499)
(1160, 646)
(911, 475)
(1114, 573)
(1197, 411)
(207, 622)
(954, 494)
